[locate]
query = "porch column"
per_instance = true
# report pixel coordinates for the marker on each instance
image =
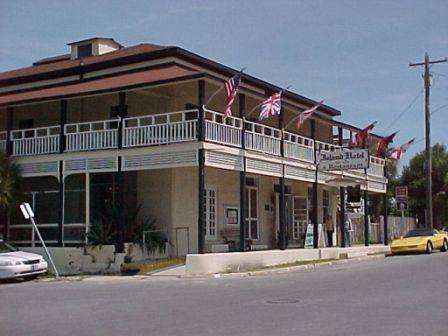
(9, 127)
(366, 204)
(242, 108)
(282, 220)
(366, 218)
(201, 168)
(62, 122)
(385, 210)
(342, 199)
(314, 216)
(122, 112)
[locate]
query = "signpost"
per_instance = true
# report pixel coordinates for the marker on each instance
(28, 213)
(341, 159)
(401, 196)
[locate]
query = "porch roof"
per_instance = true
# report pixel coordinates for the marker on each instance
(126, 81)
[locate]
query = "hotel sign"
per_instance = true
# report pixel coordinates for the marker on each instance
(344, 159)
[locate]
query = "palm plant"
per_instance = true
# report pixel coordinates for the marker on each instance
(10, 183)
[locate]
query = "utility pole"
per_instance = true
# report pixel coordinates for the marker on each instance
(428, 154)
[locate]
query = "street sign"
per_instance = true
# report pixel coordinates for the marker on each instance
(401, 194)
(343, 159)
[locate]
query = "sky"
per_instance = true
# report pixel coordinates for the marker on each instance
(353, 54)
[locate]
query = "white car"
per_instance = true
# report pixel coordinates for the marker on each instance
(18, 264)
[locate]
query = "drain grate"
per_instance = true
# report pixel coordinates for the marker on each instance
(283, 301)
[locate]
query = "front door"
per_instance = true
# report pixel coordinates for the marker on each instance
(251, 227)
(300, 217)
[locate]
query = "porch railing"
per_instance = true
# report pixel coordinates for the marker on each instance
(3, 139)
(298, 147)
(158, 129)
(35, 141)
(376, 166)
(227, 132)
(91, 135)
(324, 146)
(262, 138)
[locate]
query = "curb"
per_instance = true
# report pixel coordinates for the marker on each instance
(282, 270)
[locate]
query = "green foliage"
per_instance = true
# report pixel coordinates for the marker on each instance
(413, 176)
(10, 183)
(105, 227)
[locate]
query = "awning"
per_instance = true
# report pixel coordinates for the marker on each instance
(345, 182)
(153, 76)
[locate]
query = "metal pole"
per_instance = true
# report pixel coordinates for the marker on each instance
(314, 196)
(45, 247)
(201, 169)
(342, 199)
(282, 222)
(385, 205)
(242, 107)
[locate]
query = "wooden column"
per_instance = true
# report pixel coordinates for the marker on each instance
(119, 180)
(242, 110)
(201, 169)
(385, 208)
(366, 204)
(282, 215)
(62, 122)
(9, 127)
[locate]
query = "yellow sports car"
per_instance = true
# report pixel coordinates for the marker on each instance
(420, 240)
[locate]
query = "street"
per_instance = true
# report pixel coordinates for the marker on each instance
(403, 295)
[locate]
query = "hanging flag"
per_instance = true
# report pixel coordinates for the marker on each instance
(382, 144)
(231, 88)
(271, 106)
(398, 152)
(307, 113)
(362, 135)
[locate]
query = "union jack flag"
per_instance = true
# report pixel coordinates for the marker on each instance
(362, 135)
(307, 113)
(398, 152)
(231, 88)
(271, 106)
(383, 143)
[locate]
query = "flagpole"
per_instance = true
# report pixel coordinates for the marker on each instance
(220, 89)
(258, 105)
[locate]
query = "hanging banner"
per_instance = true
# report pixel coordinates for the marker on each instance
(343, 159)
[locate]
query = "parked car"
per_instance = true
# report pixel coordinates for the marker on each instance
(420, 240)
(19, 264)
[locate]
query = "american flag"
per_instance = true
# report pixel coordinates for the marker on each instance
(398, 152)
(271, 106)
(231, 88)
(362, 135)
(307, 113)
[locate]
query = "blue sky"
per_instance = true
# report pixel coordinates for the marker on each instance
(353, 54)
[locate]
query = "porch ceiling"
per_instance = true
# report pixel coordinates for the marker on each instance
(153, 76)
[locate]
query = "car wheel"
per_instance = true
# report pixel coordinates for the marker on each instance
(444, 246)
(428, 247)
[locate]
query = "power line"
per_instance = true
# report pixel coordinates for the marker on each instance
(404, 111)
(439, 108)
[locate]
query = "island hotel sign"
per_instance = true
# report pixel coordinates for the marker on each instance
(343, 159)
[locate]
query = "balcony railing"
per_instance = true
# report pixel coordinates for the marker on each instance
(159, 129)
(298, 147)
(91, 135)
(262, 138)
(376, 166)
(34, 141)
(226, 132)
(173, 127)
(3, 139)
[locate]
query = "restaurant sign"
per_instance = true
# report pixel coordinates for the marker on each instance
(343, 159)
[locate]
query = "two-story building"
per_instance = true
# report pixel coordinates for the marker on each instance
(142, 125)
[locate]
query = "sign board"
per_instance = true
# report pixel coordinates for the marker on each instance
(309, 237)
(343, 159)
(401, 194)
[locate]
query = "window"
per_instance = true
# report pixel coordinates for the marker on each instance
(74, 208)
(85, 50)
(210, 213)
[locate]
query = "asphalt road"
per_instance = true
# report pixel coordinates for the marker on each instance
(405, 295)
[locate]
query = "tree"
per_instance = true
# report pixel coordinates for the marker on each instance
(413, 176)
(10, 183)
